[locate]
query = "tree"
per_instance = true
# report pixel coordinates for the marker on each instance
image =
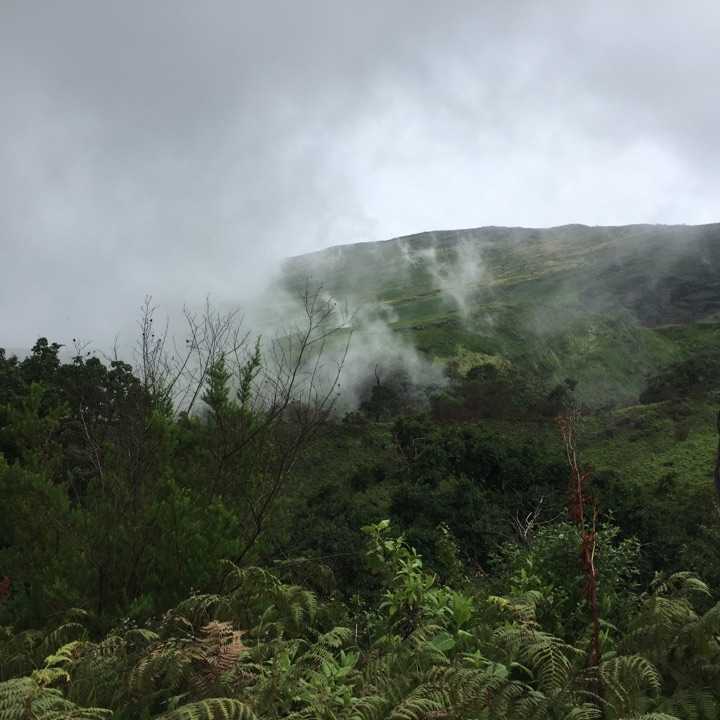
(247, 449)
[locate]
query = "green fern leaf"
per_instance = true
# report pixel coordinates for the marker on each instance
(212, 709)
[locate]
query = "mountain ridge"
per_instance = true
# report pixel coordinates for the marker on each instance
(593, 302)
(482, 228)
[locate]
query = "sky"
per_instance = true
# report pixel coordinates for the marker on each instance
(180, 149)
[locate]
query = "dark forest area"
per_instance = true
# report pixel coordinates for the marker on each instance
(256, 552)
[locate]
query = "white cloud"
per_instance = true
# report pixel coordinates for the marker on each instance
(180, 148)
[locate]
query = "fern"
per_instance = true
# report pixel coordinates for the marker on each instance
(19, 654)
(201, 609)
(212, 709)
(98, 670)
(265, 648)
(418, 706)
(165, 669)
(548, 658)
(691, 705)
(650, 716)
(256, 598)
(221, 648)
(584, 712)
(62, 635)
(625, 680)
(679, 584)
(370, 707)
(25, 699)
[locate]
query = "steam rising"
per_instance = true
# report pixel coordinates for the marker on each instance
(572, 301)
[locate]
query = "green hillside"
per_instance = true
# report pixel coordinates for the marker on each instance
(605, 305)
(470, 542)
(611, 307)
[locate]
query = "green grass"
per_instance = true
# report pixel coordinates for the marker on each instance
(640, 442)
(647, 445)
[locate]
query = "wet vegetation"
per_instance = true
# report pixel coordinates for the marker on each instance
(219, 537)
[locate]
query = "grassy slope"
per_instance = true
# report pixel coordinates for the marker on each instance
(604, 305)
(591, 303)
(648, 445)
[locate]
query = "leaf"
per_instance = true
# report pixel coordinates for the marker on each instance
(443, 642)
(212, 709)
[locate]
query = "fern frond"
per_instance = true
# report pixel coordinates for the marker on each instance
(165, 668)
(692, 705)
(98, 672)
(586, 711)
(201, 609)
(78, 714)
(211, 709)
(139, 638)
(370, 707)
(65, 655)
(680, 584)
(625, 678)
(221, 647)
(47, 677)
(651, 716)
(250, 579)
(548, 658)
(417, 708)
(24, 698)
(20, 653)
(335, 638)
(63, 635)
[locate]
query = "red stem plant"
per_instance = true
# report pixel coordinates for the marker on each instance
(578, 502)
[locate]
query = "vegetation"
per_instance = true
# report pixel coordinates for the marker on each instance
(261, 647)
(302, 603)
(606, 306)
(205, 534)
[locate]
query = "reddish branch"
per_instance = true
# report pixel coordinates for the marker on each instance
(717, 460)
(578, 502)
(5, 585)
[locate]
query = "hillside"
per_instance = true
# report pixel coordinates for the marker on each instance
(605, 305)
(610, 307)
(428, 553)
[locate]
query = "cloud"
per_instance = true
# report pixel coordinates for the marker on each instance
(182, 148)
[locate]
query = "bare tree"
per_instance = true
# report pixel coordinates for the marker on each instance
(525, 525)
(280, 393)
(294, 394)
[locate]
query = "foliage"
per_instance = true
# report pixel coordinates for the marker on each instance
(263, 648)
(691, 377)
(474, 480)
(229, 562)
(550, 566)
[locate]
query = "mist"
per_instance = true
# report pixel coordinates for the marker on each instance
(182, 151)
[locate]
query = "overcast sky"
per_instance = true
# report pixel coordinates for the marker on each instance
(179, 148)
